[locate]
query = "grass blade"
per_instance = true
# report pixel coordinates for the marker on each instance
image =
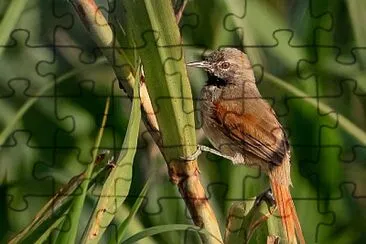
(78, 202)
(165, 72)
(9, 21)
(59, 204)
(343, 122)
(356, 10)
(158, 43)
(114, 191)
(245, 223)
(136, 206)
(30, 102)
(260, 31)
(166, 228)
(45, 237)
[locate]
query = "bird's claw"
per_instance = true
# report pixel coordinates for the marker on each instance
(266, 196)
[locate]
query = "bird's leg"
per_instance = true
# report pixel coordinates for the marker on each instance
(202, 148)
(266, 196)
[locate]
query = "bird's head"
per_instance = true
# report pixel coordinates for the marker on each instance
(227, 65)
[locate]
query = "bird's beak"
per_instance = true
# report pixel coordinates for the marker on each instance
(200, 64)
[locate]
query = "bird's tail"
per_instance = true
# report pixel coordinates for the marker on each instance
(280, 182)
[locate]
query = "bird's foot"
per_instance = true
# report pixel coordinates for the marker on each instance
(193, 156)
(266, 196)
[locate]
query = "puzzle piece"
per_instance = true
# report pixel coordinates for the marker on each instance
(294, 40)
(20, 54)
(247, 15)
(164, 207)
(20, 142)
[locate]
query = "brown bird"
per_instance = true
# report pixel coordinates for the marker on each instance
(243, 127)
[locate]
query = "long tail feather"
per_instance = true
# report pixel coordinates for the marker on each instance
(280, 182)
(288, 214)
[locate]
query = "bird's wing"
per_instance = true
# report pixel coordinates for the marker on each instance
(257, 132)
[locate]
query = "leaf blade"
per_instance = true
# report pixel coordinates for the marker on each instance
(78, 202)
(109, 201)
(165, 228)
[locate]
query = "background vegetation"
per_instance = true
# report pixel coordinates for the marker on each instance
(310, 60)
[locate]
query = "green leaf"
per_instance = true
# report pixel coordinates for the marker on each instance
(157, 40)
(52, 212)
(77, 205)
(342, 121)
(117, 186)
(246, 223)
(159, 45)
(44, 238)
(136, 206)
(259, 31)
(30, 102)
(356, 11)
(135, 225)
(9, 21)
(126, 56)
(165, 228)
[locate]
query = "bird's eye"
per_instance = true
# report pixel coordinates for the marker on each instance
(225, 65)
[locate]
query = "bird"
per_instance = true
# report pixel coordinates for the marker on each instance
(244, 128)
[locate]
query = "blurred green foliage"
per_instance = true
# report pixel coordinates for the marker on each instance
(290, 39)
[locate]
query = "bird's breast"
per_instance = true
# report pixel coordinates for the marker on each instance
(214, 130)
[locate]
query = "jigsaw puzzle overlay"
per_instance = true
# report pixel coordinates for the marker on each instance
(309, 60)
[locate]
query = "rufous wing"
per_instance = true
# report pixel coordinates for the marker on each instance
(254, 126)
